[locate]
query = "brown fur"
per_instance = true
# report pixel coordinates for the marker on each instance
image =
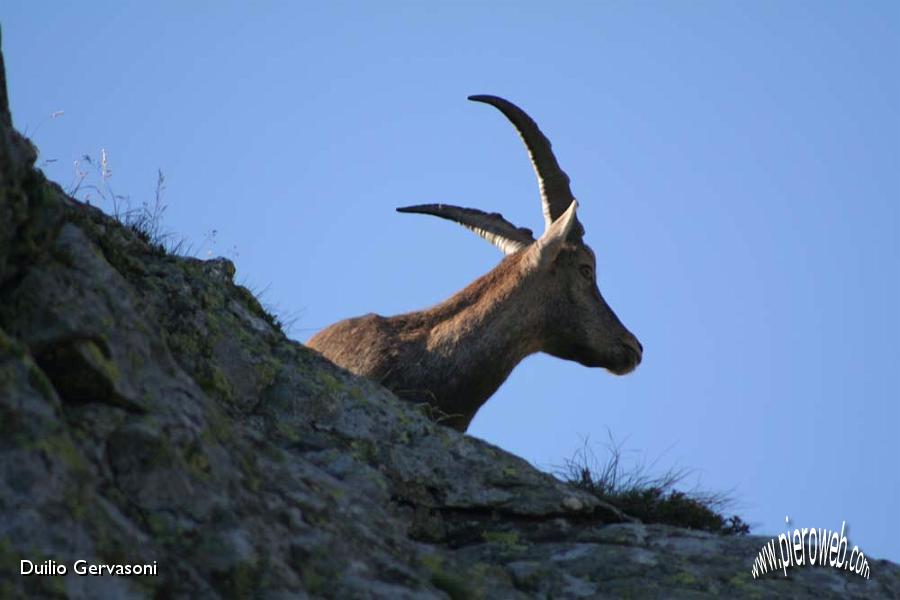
(456, 354)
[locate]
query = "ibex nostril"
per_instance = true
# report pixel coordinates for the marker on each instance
(636, 354)
(633, 344)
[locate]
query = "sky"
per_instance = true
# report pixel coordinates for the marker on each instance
(737, 167)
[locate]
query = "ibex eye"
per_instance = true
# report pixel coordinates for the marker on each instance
(587, 271)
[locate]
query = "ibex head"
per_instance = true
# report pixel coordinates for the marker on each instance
(576, 322)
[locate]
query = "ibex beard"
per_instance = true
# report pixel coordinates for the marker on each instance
(543, 297)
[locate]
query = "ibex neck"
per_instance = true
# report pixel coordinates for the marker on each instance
(475, 338)
(491, 311)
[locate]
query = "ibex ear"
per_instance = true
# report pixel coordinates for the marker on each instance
(545, 250)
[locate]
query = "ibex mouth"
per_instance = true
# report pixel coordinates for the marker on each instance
(629, 357)
(620, 359)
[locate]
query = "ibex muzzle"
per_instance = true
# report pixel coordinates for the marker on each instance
(543, 297)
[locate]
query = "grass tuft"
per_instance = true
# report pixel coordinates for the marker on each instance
(652, 499)
(92, 183)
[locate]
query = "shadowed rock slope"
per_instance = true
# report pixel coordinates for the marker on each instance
(150, 411)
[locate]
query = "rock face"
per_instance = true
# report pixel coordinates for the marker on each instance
(152, 412)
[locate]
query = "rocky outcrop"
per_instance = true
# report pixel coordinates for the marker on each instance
(151, 412)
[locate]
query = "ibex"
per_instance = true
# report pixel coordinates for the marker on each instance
(543, 297)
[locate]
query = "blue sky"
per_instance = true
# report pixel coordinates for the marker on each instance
(737, 167)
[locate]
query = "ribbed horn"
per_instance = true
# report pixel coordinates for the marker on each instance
(491, 226)
(556, 196)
